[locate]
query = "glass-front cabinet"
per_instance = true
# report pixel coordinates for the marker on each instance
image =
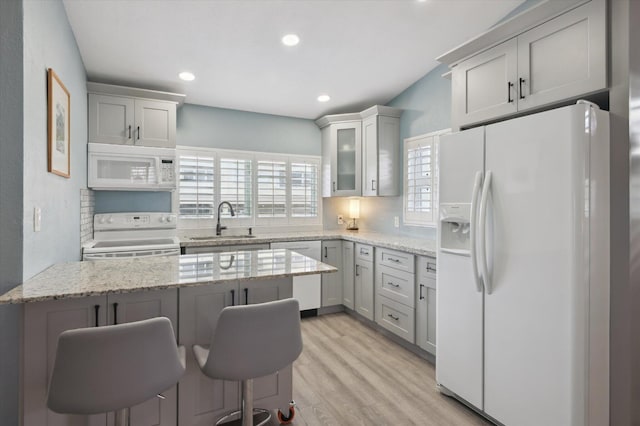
(341, 157)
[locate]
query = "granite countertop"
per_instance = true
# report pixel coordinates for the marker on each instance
(417, 246)
(94, 278)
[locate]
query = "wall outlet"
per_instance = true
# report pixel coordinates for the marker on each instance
(340, 220)
(396, 221)
(37, 219)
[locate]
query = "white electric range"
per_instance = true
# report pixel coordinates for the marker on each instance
(120, 235)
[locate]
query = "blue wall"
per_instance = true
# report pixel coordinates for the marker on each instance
(50, 43)
(225, 129)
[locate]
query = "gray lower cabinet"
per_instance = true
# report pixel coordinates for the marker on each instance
(202, 400)
(364, 281)
(426, 304)
(395, 292)
(348, 265)
(332, 283)
(44, 321)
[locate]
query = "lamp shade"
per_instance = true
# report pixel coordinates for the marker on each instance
(354, 209)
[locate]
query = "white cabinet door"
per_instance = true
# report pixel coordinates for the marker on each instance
(345, 144)
(426, 304)
(370, 156)
(332, 283)
(111, 119)
(348, 265)
(564, 57)
(155, 123)
(364, 289)
(129, 307)
(380, 156)
(202, 401)
(484, 86)
(43, 323)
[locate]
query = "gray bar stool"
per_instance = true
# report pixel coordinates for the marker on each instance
(102, 369)
(252, 341)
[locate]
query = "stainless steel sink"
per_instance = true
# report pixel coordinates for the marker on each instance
(220, 237)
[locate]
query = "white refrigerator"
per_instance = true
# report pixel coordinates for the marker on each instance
(523, 268)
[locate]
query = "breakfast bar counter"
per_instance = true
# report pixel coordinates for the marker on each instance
(82, 279)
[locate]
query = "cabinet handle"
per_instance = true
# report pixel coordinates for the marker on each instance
(115, 313)
(391, 259)
(138, 132)
(421, 295)
(393, 285)
(520, 84)
(334, 186)
(357, 273)
(97, 310)
(246, 296)
(509, 86)
(129, 131)
(363, 251)
(431, 268)
(373, 182)
(392, 317)
(325, 252)
(233, 298)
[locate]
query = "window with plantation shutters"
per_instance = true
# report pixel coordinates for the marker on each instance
(236, 186)
(272, 189)
(421, 179)
(196, 186)
(264, 189)
(304, 189)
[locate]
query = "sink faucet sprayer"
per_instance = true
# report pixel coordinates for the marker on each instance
(219, 227)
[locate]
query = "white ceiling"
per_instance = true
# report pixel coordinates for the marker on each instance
(359, 52)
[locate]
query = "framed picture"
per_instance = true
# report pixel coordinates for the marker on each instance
(58, 129)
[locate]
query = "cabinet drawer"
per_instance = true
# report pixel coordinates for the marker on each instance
(395, 259)
(364, 252)
(396, 285)
(395, 317)
(426, 268)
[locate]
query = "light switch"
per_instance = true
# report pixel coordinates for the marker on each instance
(37, 219)
(340, 220)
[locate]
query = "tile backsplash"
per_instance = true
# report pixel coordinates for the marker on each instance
(87, 210)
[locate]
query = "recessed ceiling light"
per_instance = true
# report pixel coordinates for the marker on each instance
(324, 98)
(290, 40)
(186, 76)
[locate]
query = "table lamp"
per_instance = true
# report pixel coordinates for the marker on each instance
(354, 213)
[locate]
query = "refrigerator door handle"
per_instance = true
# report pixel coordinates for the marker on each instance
(482, 234)
(477, 185)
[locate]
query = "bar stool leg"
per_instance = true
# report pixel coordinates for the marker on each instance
(122, 417)
(247, 402)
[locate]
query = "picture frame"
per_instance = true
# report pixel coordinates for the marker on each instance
(58, 126)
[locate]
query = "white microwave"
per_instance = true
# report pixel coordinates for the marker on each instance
(131, 168)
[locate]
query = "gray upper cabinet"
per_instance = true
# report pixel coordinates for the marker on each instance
(484, 85)
(380, 151)
(360, 153)
(560, 59)
(129, 116)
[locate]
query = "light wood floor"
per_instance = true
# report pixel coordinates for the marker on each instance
(349, 374)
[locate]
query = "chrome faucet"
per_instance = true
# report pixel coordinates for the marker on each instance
(219, 227)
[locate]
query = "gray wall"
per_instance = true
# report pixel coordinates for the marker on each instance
(11, 164)
(50, 43)
(209, 127)
(427, 108)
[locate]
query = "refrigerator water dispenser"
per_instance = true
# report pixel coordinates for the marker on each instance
(455, 227)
